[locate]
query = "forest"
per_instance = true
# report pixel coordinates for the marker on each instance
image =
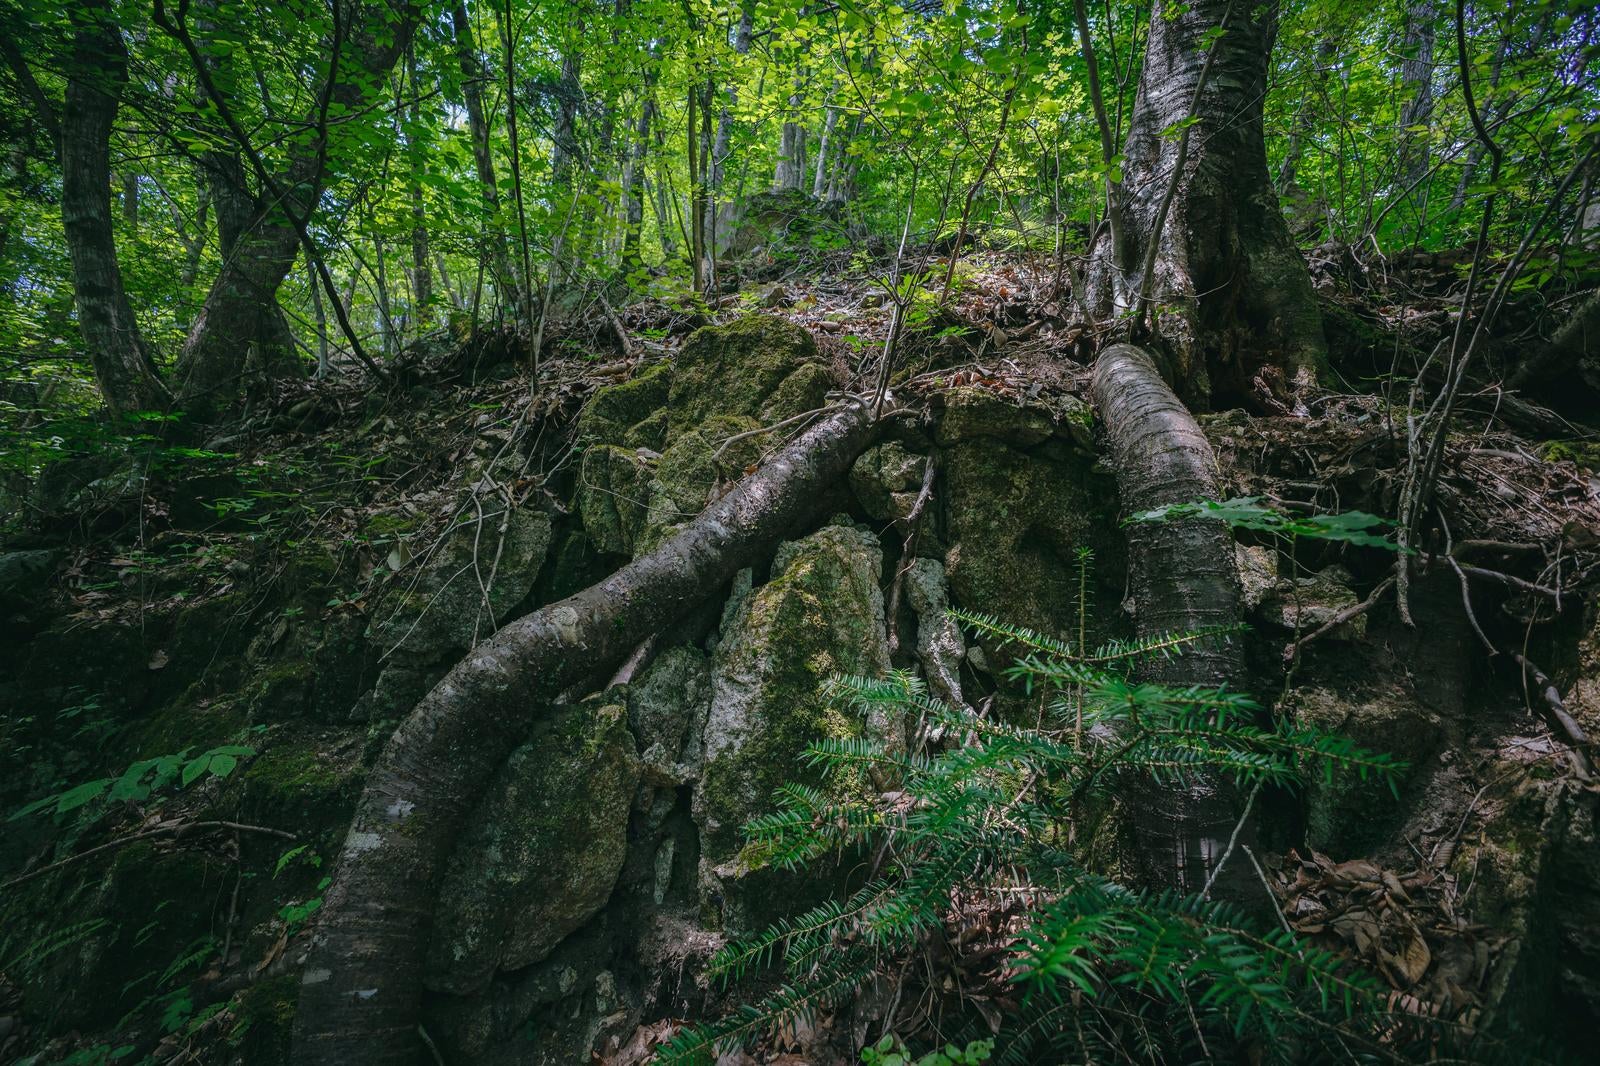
(921, 533)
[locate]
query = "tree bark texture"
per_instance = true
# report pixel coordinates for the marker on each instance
(95, 79)
(1182, 577)
(241, 310)
(421, 272)
(1416, 76)
(473, 78)
(1231, 292)
(362, 986)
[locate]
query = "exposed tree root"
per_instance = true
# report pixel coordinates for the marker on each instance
(1182, 577)
(363, 980)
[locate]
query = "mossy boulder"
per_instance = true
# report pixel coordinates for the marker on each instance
(612, 410)
(544, 848)
(806, 389)
(1306, 604)
(820, 615)
(650, 444)
(650, 432)
(735, 369)
(613, 497)
(887, 479)
(667, 708)
(24, 576)
(87, 944)
(262, 1030)
(972, 413)
(1016, 520)
(691, 474)
(442, 609)
(304, 783)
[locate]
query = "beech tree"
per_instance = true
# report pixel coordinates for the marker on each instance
(555, 192)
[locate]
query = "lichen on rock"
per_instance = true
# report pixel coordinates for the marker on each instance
(545, 849)
(887, 479)
(735, 369)
(1016, 520)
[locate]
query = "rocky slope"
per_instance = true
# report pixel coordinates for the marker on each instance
(289, 601)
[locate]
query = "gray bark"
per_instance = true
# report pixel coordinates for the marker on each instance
(791, 171)
(421, 271)
(1416, 76)
(1182, 578)
(1232, 292)
(726, 210)
(362, 986)
(473, 78)
(241, 309)
(96, 76)
(819, 180)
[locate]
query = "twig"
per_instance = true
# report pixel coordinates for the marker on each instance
(1466, 604)
(1576, 737)
(616, 324)
(769, 429)
(160, 830)
(1507, 579)
(1293, 650)
(1233, 842)
(1277, 908)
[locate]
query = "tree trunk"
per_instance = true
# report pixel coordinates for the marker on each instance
(1230, 290)
(473, 78)
(241, 311)
(97, 73)
(819, 179)
(421, 269)
(1416, 77)
(363, 979)
(633, 184)
(1182, 578)
(846, 164)
(320, 317)
(791, 171)
(565, 136)
(727, 209)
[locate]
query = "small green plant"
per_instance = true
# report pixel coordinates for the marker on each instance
(1248, 512)
(141, 780)
(295, 915)
(891, 1051)
(1010, 820)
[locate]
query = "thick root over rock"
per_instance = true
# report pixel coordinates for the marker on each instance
(1182, 578)
(363, 981)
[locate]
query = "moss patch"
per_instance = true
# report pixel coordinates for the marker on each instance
(544, 850)
(263, 1025)
(821, 614)
(733, 369)
(614, 408)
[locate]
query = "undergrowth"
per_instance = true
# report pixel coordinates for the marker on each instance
(995, 848)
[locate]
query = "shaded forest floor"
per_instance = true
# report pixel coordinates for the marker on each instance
(251, 594)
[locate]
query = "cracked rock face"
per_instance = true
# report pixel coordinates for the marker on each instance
(940, 648)
(656, 447)
(887, 479)
(545, 849)
(821, 614)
